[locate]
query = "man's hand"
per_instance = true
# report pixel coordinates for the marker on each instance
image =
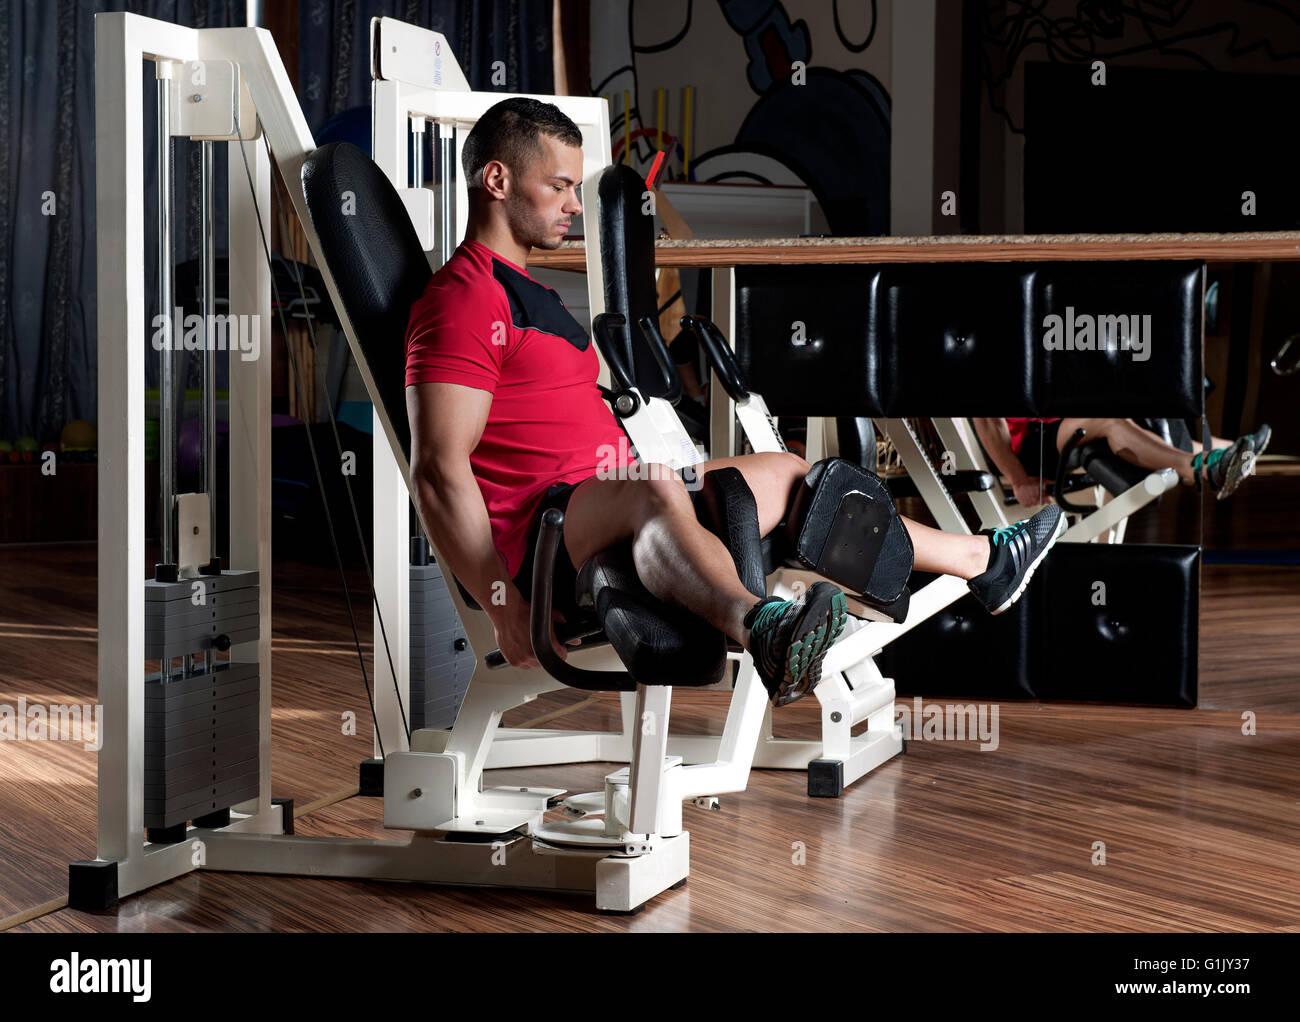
(514, 634)
(1031, 491)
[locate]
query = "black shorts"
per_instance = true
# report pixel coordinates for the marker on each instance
(564, 578)
(1040, 437)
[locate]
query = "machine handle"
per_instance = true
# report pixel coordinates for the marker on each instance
(720, 355)
(548, 545)
(671, 382)
(1062, 470)
(606, 328)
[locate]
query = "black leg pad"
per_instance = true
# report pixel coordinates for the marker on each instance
(842, 524)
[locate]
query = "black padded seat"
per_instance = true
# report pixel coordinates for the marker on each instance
(1112, 472)
(375, 259)
(658, 643)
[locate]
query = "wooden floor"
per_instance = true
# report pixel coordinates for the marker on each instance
(1200, 823)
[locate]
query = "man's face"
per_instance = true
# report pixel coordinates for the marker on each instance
(543, 200)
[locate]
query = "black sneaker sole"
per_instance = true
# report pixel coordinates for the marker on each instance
(1241, 466)
(821, 623)
(1260, 444)
(1061, 528)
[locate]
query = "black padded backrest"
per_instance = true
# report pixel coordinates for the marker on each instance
(371, 250)
(627, 248)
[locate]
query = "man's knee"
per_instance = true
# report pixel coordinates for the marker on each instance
(661, 491)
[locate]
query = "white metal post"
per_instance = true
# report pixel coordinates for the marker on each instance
(250, 419)
(119, 203)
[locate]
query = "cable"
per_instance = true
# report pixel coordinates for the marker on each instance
(338, 445)
(329, 519)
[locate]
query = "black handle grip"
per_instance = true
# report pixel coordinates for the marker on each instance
(671, 383)
(1063, 470)
(548, 545)
(720, 356)
(607, 328)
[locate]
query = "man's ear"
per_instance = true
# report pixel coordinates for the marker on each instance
(496, 179)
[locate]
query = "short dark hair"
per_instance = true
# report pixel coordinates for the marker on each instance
(510, 132)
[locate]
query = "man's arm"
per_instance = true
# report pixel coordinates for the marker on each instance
(447, 420)
(996, 438)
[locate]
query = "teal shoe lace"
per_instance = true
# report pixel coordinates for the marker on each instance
(768, 615)
(1203, 462)
(1001, 537)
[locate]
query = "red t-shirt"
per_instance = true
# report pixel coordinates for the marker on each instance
(1018, 428)
(483, 322)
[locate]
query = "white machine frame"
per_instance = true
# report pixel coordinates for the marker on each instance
(624, 844)
(853, 692)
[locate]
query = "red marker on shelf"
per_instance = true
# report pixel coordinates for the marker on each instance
(655, 167)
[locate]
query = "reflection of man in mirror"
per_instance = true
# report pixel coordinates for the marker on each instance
(1027, 452)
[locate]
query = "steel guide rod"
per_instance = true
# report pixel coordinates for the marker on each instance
(417, 146)
(445, 192)
(167, 433)
(207, 287)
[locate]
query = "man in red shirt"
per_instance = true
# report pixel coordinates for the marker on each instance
(507, 421)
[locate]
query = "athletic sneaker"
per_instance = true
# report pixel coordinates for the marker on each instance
(1014, 554)
(1260, 438)
(1225, 467)
(789, 639)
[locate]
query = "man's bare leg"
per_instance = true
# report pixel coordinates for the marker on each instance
(677, 559)
(1132, 443)
(774, 478)
(681, 562)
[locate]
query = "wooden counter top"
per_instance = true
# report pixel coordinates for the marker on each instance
(1251, 247)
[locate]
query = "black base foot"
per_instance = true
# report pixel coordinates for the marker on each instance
(286, 813)
(679, 885)
(622, 911)
(165, 835)
(372, 778)
(92, 885)
(221, 818)
(826, 778)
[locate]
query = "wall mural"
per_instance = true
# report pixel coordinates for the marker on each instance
(828, 131)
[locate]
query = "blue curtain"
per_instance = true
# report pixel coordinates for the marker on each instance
(48, 343)
(334, 35)
(47, 203)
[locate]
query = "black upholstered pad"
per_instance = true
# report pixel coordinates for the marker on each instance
(659, 644)
(1059, 641)
(627, 256)
(374, 255)
(726, 507)
(806, 338)
(969, 339)
(1167, 382)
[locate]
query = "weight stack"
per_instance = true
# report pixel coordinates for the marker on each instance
(201, 732)
(441, 660)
